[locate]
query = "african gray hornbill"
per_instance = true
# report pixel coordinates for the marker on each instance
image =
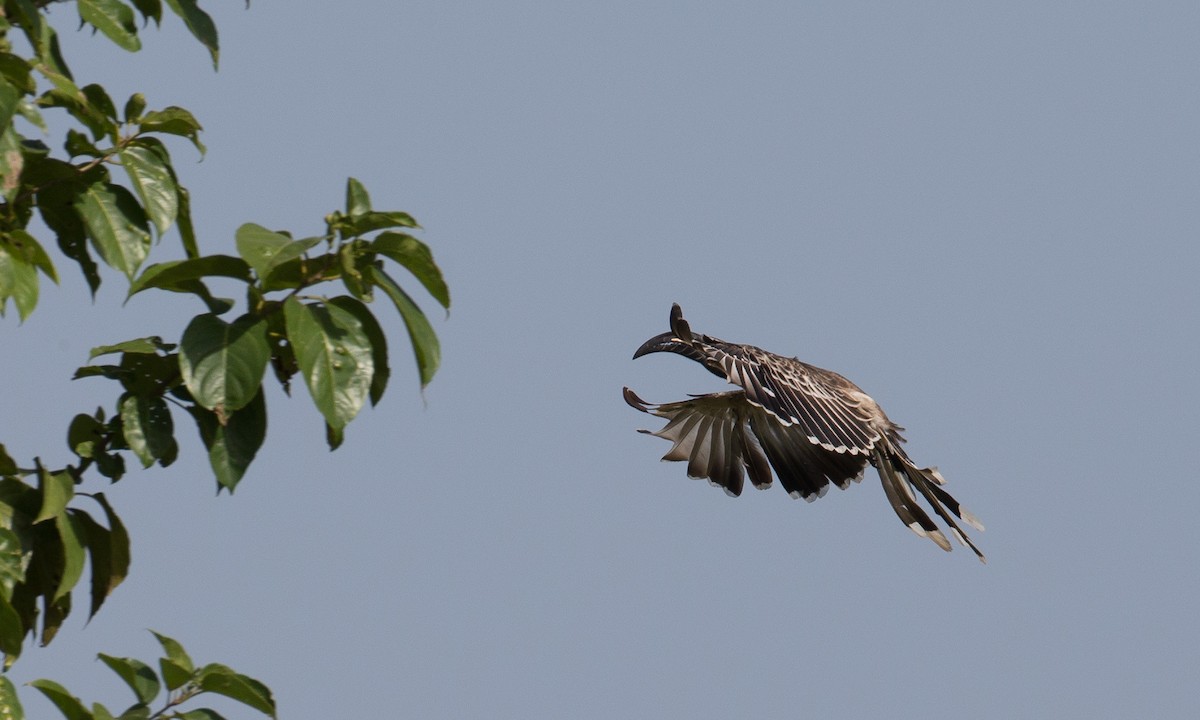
(812, 426)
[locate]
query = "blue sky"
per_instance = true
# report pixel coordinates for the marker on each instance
(986, 216)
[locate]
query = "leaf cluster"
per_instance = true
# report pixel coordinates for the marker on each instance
(77, 195)
(182, 680)
(107, 198)
(43, 548)
(216, 372)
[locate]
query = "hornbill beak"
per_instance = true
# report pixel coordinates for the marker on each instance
(666, 342)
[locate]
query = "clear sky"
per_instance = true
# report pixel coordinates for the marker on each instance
(986, 215)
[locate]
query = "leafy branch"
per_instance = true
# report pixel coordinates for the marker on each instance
(177, 674)
(112, 194)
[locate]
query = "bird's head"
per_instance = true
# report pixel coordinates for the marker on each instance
(679, 340)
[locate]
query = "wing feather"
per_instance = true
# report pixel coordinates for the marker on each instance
(831, 411)
(723, 436)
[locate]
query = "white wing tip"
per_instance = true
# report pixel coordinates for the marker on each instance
(970, 519)
(934, 535)
(940, 539)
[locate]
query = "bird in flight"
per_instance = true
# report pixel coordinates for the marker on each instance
(812, 426)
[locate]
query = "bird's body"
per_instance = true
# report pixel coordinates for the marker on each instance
(812, 426)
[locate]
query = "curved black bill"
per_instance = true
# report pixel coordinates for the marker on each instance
(658, 343)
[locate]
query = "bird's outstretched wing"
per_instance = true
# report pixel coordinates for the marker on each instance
(830, 410)
(723, 436)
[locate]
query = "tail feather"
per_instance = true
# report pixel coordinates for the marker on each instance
(904, 503)
(935, 496)
(948, 500)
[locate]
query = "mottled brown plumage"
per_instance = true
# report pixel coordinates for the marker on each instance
(812, 426)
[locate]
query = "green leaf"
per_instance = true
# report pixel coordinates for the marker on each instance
(148, 428)
(283, 358)
(246, 690)
(174, 120)
(26, 14)
(201, 714)
(184, 276)
(10, 99)
(116, 224)
(379, 349)
(52, 619)
(148, 165)
(67, 704)
(335, 356)
(148, 373)
(80, 144)
(199, 24)
(43, 37)
(97, 97)
(110, 465)
(27, 247)
(99, 712)
(265, 250)
(233, 445)
(25, 289)
(10, 704)
(424, 341)
(137, 675)
(358, 202)
(8, 276)
(12, 635)
(28, 110)
(18, 280)
(55, 202)
(114, 19)
(258, 246)
(175, 652)
(334, 437)
(24, 602)
(12, 562)
(85, 435)
(295, 274)
(352, 257)
(176, 668)
(17, 72)
(8, 466)
(18, 504)
(150, 10)
(12, 162)
(134, 107)
(146, 346)
(223, 363)
(174, 676)
(416, 257)
(69, 97)
(216, 305)
(57, 489)
(99, 546)
(175, 274)
(187, 232)
(371, 221)
(118, 549)
(71, 533)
